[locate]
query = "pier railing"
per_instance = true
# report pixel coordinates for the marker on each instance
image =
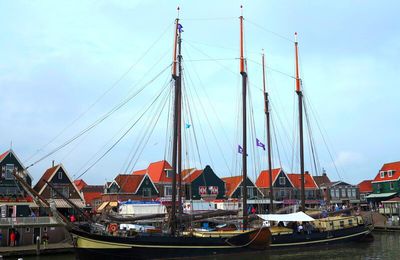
(28, 221)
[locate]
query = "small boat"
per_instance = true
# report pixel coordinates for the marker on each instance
(312, 232)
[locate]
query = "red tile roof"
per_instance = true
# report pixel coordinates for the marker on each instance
(80, 184)
(263, 178)
(365, 186)
(92, 192)
(393, 166)
(231, 184)
(322, 180)
(140, 172)
(129, 183)
(309, 182)
(3, 155)
(45, 177)
(157, 172)
(189, 175)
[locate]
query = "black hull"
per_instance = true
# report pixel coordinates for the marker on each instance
(359, 233)
(92, 246)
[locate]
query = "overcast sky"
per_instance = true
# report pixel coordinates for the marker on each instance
(64, 64)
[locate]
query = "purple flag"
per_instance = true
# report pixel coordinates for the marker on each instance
(240, 149)
(180, 27)
(258, 143)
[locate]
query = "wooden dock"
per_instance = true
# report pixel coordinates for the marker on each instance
(32, 250)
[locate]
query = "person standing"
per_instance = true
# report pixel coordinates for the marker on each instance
(12, 238)
(17, 237)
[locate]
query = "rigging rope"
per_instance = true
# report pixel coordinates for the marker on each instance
(98, 121)
(113, 85)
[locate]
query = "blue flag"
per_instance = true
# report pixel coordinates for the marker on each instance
(187, 125)
(259, 144)
(240, 149)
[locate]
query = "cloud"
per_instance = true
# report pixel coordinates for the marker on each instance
(348, 158)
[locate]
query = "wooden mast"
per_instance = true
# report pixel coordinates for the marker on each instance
(300, 104)
(267, 115)
(176, 112)
(179, 166)
(244, 142)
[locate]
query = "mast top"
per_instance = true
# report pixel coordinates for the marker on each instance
(177, 10)
(295, 37)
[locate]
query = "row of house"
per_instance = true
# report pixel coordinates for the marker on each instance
(155, 183)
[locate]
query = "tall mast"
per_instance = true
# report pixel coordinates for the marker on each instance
(175, 147)
(244, 142)
(267, 115)
(300, 99)
(179, 166)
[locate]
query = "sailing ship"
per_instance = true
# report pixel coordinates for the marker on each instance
(328, 230)
(175, 244)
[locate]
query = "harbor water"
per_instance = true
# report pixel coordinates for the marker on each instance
(384, 246)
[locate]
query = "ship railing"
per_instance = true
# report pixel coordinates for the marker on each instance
(28, 221)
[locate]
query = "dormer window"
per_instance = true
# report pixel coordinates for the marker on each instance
(390, 173)
(382, 174)
(169, 173)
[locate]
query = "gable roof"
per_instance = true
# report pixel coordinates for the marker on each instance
(309, 182)
(231, 184)
(80, 184)
(365, 186)
(129, 183)
(322, 180)
(156, 171)
(393, 166)
(49, 174)
(189, 175)
(4, 155)
(340, 183)
(263, 178)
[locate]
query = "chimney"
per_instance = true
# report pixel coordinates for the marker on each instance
(52, 163)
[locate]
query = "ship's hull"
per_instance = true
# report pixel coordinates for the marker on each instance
(316, 238)
(92, 246)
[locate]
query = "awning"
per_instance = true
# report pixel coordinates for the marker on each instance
(61, 203)
(380, 195)
(113, 204)
(298, 216)
(102, 206)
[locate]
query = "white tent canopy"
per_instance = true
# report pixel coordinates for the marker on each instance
(298, 216)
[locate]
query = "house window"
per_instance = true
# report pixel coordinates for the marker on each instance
(64, 190)
(9, 171)
(168, 191)
(343, 193)
(337, 193)
(378, 187)
(250, 192)
(59, 175)
(382, 174)
(333, 195)
(146, 192)
(362, 197)
(353, 193)
(44, 229)
(169, 173)
(27, 230)
(391, 185)
(390, 173)
(282, 180)
(282, 193)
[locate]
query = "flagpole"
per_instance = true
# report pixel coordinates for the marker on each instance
(267, 115)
